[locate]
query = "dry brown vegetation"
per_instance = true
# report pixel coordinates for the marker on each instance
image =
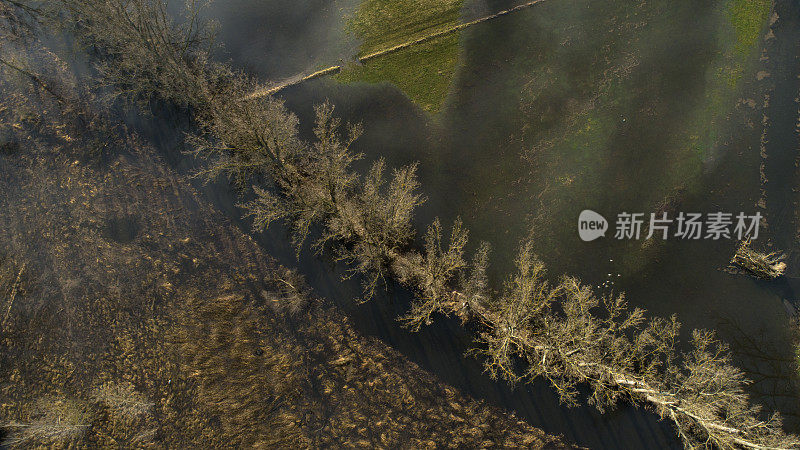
(562, 332)
(184, 335)
(143, 319)
(761, 265)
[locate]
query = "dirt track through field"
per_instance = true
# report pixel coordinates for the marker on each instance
(300, 78)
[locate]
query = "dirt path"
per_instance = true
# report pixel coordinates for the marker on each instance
(297, 79)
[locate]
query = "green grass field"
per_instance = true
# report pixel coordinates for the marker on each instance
(422, 72)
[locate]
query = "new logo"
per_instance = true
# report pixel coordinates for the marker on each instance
(591, 225)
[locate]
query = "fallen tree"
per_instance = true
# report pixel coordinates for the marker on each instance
(761, 265)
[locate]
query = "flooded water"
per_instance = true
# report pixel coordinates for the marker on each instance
(278, 39)
(783, 130)
(569, 105)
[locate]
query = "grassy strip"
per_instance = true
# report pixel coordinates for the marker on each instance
(382, 23)
(424, 72)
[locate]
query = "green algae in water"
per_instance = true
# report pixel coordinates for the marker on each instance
(591, 138)
(747, 18)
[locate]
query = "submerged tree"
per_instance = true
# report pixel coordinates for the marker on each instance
(761, 265)
(563, 333)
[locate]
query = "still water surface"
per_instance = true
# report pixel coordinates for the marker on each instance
(523, 80)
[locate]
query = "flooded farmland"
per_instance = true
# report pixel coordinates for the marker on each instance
(614, 106)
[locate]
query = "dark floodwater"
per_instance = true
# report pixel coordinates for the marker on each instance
(504, 103)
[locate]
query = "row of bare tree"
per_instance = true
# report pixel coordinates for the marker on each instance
(564, 333)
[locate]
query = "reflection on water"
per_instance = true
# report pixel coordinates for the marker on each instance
(509, 152)
(278, 39)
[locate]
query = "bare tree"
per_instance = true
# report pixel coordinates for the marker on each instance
(563, 333)
(569, 336)
(432, 272)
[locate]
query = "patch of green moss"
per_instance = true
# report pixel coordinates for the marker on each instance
(747, 18)
(424, 71)
(743, 21)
